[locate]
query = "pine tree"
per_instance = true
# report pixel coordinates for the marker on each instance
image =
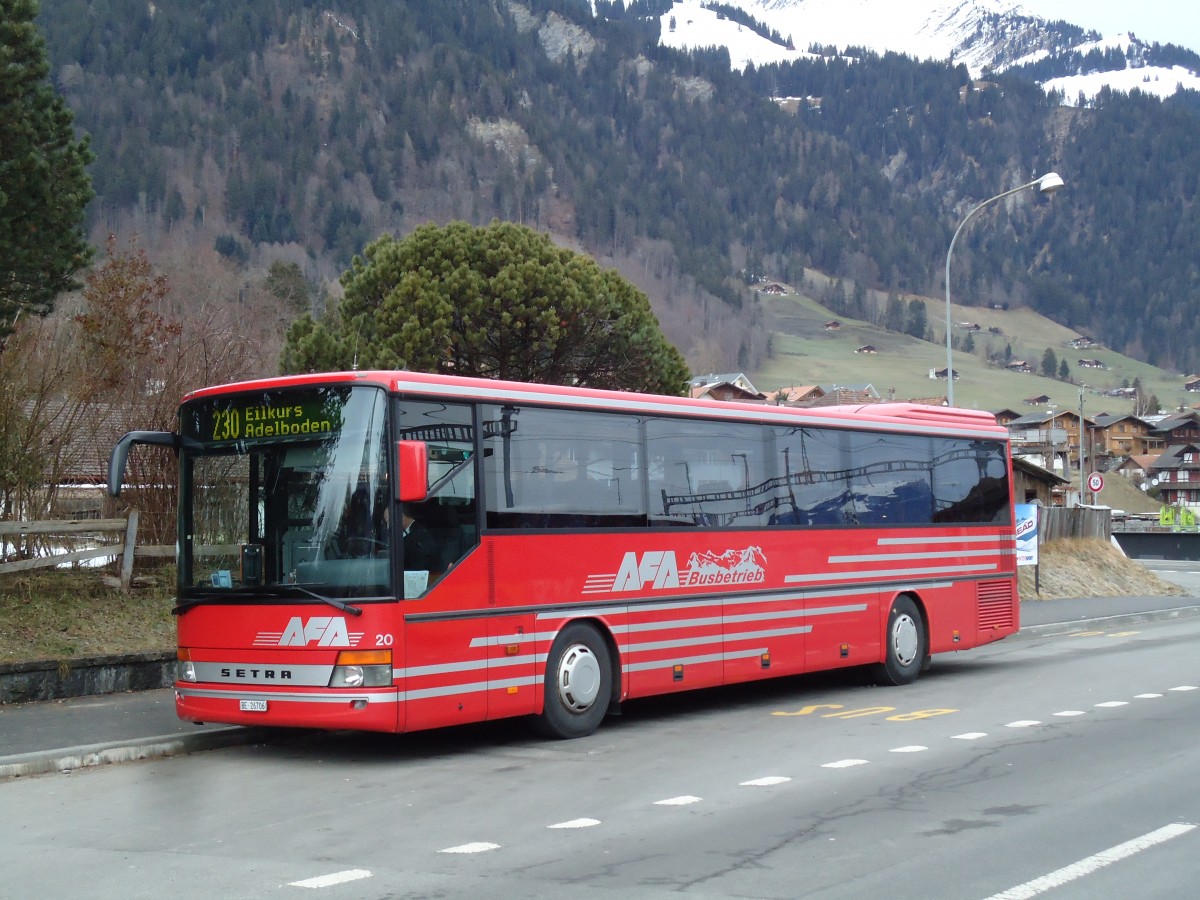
(495, 302)
(43, 183)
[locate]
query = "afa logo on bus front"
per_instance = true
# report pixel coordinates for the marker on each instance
(659, 570)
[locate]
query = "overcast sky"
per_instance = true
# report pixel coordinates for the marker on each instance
(1165, 21)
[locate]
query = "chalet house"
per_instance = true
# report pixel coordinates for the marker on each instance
(1047, 437)
(1004, 416)
(848, 395)
(777, 289)
(1125, 436)
(1178, 473)
(805, 395)
(832, 325)
(1019, 365)
(1192, 383)
(1080, 343)
(866, 348)
(1091, 364)
(738, 379)
(726, 391)
(941, 374)
(1136, 467)
(1039, 400)
(1178, 428)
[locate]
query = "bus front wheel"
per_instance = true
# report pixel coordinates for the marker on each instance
(905, 646)
(578, 683)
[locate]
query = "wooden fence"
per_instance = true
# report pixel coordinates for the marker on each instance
(71, 531)
(1059, 522)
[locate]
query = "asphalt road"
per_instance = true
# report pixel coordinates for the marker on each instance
(1185, 573)
(1064, 760)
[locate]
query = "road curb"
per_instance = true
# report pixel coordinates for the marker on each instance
(66, 759)
(1150, 615)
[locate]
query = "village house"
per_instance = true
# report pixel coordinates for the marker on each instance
(1178, 472)
(1126, 435)
(737, 379)
(1019, 365)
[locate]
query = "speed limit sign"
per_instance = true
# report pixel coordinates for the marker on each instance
(1095, 482)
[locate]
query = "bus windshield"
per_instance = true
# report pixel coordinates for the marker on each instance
(285, 491)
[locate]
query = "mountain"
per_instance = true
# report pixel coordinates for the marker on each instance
(987, 36)
(280, 130)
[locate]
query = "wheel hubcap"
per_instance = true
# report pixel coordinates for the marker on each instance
(578, 678)
(905, 640)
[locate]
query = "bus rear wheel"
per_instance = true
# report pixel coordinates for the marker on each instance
(578, 683)
(905, 646)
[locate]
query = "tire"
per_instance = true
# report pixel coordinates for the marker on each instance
(578, 683)
(905, 647)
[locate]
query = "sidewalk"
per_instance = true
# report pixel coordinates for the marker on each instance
(60, 735)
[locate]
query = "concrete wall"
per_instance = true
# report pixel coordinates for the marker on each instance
(1159, 545)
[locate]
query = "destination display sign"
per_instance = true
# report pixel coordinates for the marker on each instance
(265, 416)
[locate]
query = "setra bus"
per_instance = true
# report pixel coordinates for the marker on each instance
(393, 551)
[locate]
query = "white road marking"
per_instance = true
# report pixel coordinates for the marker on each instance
(767, 781)
(477, 847)
(1092, 863)
(1071, 712)
(1023, 723)
(677, 801)
(1112, 704)
(844, 763)
(1146, 696)
(322, 881)
(576, 823)
(912, 748)
(1186, 687)
(969, 736)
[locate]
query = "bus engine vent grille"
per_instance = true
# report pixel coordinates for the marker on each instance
(995, 605)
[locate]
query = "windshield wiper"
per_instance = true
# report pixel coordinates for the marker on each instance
(332, 601)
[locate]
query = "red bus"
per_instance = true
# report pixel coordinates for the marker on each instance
(394, 551)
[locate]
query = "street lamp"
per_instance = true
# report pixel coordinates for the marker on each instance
(1047, 184)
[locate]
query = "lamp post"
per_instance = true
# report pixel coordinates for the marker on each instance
(1047, 184)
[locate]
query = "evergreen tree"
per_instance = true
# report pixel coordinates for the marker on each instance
(1049, 363)
(43, 183)
(494, 302)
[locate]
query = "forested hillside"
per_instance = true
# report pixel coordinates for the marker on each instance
(293, 130)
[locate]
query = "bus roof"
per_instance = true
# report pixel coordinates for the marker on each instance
(911, 417)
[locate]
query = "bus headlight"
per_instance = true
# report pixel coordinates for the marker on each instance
(362, 668)
(185, 669)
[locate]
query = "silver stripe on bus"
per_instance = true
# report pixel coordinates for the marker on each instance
(569, 612)
(693, 660)
(879, 573)
(973, 539)
(292, 696)
(941, 554)
(473, 688)
(469, 665)
(699, 640)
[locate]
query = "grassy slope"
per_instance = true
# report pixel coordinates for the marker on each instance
(805, 353)
(47, 614)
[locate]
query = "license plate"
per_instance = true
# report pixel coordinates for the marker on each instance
(252, 705)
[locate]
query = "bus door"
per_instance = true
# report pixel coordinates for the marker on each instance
(444, 587)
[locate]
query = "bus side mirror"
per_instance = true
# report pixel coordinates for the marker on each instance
(120, 454)
(414, 472)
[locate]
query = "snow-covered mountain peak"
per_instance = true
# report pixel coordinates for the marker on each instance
(981, 34)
